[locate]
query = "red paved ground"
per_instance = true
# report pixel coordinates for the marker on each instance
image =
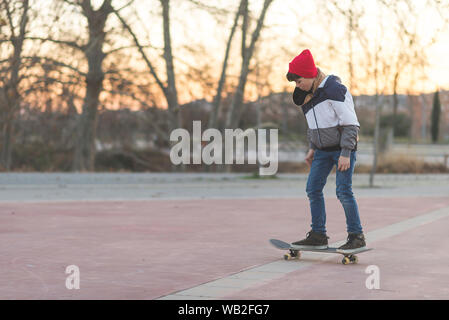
(146, 249)
(408, 269)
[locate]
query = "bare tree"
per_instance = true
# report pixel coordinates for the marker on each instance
(382, 65)
(377, 119)
(352, 16)
(221, 82)
(84, 156)
(10, 97)
(92, 50)
(169, 89)
(235, 109)
(409, 51)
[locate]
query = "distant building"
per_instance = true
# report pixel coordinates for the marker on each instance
(279, 108)
(421, 112)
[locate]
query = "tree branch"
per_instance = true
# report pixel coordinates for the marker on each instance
(57, 63)
(125, 47)
(8, 15)
(72, 44)
(126, 5)
(144, 56)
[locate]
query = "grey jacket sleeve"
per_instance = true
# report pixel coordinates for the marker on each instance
(311, 144)
(348, 139)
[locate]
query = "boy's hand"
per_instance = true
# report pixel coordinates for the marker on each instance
(344, 163)
(309, 157)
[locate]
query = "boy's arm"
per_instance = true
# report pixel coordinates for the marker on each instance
(348, 140)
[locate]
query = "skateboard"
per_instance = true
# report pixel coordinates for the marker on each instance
(296, 253)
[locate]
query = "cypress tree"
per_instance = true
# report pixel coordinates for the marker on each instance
(436, 111)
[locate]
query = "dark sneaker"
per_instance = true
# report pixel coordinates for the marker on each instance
(355, 242)
(313, 240)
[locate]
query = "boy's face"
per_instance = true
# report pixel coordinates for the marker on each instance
(304, 83)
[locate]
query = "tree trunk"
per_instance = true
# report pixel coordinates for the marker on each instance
(171, 93)
(217, 99)
(11, 98)
(395, 101)
(169, 90)
(375, 142)
(235, 110)
(84, 157)
(6, 145)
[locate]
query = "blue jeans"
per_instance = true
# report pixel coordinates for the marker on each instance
(322, 165)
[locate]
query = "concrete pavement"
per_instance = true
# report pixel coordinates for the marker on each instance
(192, 244)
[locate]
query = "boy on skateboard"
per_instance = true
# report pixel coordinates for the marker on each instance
(332, 135)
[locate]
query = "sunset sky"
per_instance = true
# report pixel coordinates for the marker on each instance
(294, 25)
(291, 26)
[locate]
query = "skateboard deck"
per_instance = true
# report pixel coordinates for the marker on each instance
(295, 253)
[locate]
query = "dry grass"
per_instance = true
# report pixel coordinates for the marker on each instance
(403, 163)
(41, 158)
(391, 163)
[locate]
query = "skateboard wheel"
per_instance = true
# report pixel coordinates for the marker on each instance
(292, 255)
(354, 259)
(345, 261)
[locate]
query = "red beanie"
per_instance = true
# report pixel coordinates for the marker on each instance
(303, 65)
